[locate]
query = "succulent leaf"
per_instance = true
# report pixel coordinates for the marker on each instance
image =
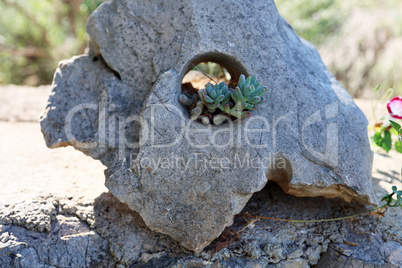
(209, 88)
(195, 113)
(220, 98)
(226, 98)
(186, 99)
(205, 120)
(248, 90)
(253, 80)
(249, 106)
(254, 100)
(219, 119)
(249, 93)
(238, 93)
(259, 92)
(208, 99)
(241, 114)
(263, 99)
(247, 82)
(213, 94)
(234, 96)
(242, 79)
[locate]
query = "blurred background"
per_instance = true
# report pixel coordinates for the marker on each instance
(359, 41)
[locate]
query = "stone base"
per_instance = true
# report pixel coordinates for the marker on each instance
(53, 231)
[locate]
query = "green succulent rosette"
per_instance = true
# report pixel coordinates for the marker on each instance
(214, 96)
(249, 92)
(247, 95)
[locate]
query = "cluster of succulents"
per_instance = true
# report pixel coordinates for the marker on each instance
(218, 103)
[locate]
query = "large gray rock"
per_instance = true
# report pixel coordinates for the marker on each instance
(120, 104)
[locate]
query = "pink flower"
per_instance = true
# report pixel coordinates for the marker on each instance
(395, 107)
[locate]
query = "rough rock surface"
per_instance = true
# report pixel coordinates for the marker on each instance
(60, 232)
(119, 104)
(50, 232)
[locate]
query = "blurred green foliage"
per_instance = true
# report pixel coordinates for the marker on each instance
(314, 20)
(36, 34)
(360, 41)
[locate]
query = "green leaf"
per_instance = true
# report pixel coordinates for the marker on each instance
(399, 200)
(254, 100)
(249, 106)
(209, 88)
(247, 82)
(398, 146)
(259, 92)
(219, 98)
(225, 90)
(238, 93)
(227, 96)
(387, 198)
(394, 189)
(234, 96)
(213, 94)
(242, 79)
(208, 99)
(378, 139)
(248, 90)
(395, 125)
(387, 142)
(377, 88)
(263, 99)
(240, 114)
(253, 79)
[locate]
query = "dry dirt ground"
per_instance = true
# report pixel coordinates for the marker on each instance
(29, 169)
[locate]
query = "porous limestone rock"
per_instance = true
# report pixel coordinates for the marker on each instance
(107, 233)
(119, 104)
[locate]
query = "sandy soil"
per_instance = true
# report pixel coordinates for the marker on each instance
(29, 169)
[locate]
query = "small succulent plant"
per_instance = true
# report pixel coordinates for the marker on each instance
(249, 92)
(247, 95)
(214, 96)
(217, 103)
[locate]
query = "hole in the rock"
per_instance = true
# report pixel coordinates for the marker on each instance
(272, 201)
(282, 173)
(216, 88)
(202, 74)
(198, 78)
